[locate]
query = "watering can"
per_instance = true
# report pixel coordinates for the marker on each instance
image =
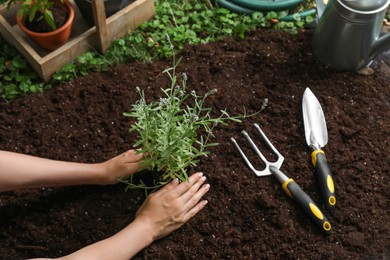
(348, 34)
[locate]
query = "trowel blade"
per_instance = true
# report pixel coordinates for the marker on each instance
(314, 121)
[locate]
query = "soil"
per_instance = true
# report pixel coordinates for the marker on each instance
(39, 24)
(248, 217)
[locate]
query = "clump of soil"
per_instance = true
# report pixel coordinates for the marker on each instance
(247, 217)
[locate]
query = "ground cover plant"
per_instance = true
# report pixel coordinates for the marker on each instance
(188, 21)
(247, 217)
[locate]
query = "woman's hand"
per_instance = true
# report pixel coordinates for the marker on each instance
(120, 167)
(173, 205)
(19, 171)
(160, 214)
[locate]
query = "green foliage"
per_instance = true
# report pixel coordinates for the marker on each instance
(17, 78)
(186, 21)
(387, 15)
(84, 64)
(174, 132)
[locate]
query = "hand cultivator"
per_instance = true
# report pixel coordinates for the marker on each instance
(289, 185)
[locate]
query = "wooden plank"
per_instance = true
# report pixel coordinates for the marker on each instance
(99, 16)
(129, 18)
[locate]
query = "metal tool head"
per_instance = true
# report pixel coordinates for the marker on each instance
(321, 4)
(266, 171)
(314, 121)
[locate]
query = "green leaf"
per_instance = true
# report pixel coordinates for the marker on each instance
(19, 63)
(282, 14)
(271, 15)
(50, 19)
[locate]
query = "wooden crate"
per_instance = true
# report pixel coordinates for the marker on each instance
(83, 37)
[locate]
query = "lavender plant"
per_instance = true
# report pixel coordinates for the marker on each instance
(173, 134)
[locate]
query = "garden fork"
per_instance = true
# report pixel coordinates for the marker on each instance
(289, 185)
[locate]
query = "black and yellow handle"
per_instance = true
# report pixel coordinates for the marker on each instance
(324, 179)
(307, 204)
(303, 200)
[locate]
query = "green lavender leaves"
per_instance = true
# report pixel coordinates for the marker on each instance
(174, 131)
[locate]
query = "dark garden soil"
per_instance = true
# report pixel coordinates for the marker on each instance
(247, 217)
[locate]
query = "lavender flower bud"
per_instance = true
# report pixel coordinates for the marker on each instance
(194, 118)
(265, 103)
(163, 102)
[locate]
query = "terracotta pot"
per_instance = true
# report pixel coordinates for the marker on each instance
(50, 40)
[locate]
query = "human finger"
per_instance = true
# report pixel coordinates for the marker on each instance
(184, 186)
(196, 197)
(132, 167)
(193, 189)
(168, 186)
(132, 156)
(195, 210)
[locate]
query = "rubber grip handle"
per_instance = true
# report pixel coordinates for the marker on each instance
(307, 205)
(325, 180)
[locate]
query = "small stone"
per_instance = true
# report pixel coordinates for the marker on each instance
(366, 71)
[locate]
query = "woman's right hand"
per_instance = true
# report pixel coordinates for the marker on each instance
(162, 212)
(173, 205)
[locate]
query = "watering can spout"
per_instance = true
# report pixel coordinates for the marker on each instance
(381, 45)
(320, 7)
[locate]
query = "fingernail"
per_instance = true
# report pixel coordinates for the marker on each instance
(207, 186)
(200, 174)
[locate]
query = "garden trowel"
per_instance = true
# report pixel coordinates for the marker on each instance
(317, 137)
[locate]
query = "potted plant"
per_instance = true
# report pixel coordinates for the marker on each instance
(47, 22)
(110, 6)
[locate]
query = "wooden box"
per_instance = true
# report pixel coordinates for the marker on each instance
(83, 37)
